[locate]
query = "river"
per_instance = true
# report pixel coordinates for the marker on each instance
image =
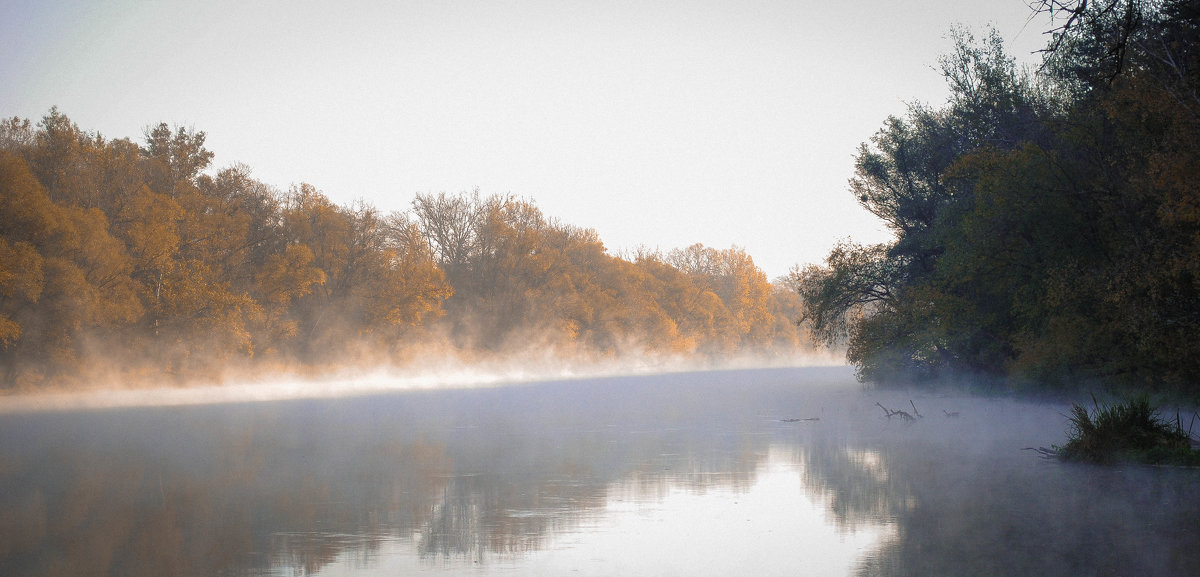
(750, 472)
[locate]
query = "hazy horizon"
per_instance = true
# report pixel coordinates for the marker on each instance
(722, 123)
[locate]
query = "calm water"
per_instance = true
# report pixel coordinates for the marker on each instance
(687, 474)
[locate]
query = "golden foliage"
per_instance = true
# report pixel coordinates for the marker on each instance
(108, 248)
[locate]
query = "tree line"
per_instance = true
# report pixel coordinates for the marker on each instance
(1046, 222)
(135, 260)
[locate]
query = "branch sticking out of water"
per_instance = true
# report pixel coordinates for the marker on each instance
(904, 415)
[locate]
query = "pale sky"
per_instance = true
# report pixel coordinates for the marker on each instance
(656, 123)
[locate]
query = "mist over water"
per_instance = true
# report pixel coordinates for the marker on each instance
(444, 371)
(789, 471)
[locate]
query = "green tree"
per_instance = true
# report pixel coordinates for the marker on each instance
(1045, 230)
(884, 300)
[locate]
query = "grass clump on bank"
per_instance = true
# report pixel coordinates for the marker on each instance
(1131, 431)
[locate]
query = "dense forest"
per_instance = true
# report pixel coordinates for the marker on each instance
(1047, 222)
(137, 262)
(1046, 233)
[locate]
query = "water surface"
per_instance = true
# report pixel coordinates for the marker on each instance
(763, 472)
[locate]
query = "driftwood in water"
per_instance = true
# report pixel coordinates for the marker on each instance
(798, 420)
(1043, 452)
(950, 414)
(904, 415)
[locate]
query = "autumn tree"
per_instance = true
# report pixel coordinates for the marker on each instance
(741, 287)
(144, 261)
(368, 278)
(65, 278)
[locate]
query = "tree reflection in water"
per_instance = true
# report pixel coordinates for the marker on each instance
(966, 500)
(545, 477)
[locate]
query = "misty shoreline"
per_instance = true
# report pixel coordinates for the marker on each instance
(450, 374)
(383, 380)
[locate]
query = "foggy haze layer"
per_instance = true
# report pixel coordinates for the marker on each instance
(435, 373)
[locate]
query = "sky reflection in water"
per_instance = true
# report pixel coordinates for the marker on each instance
(767, 523)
